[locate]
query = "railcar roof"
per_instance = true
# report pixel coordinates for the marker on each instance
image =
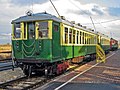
(46, 16)
(36, 17)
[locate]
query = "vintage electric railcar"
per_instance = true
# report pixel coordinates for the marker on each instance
(43, 42)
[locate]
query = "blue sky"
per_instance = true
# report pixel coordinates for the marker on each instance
(74, 10)
(114, 11)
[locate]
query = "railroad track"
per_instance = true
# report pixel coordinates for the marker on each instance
(32, 82)
(23, 83)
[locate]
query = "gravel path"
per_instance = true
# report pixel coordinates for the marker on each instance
(8, 75)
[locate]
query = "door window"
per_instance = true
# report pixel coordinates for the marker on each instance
(31, 30)
(17, 30)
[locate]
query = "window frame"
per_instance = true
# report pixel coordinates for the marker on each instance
(50, 27)
(13, 32)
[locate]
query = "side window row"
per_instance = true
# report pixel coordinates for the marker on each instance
(72, 36)
(105, 41)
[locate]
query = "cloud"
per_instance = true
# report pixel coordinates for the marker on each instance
(87, 9)
(5, 34)
(97, 10)
(79, 12)
(27, 2)
(105, 3)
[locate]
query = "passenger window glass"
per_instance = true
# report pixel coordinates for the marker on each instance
(74, 34)
(83, 38)
(77, 36)
(25, 30)
(70, 36)
(17, 30)
(43, 29)
(31, 29)
(66, 35)
(80, 36)
(56, 28)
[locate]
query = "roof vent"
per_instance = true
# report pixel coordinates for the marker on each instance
(45, 12)
(90, 29)
(73, 22)
(78, 24)
(84, 27)
(62, 17)
(29, 13)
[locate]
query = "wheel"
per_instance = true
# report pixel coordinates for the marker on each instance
(27, 70)
(46, 72)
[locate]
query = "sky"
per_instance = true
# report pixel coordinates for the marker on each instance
(105, 14)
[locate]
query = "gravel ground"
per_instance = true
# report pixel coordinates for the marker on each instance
(8, 75)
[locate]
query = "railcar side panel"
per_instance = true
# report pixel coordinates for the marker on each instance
(67, 52)
(91, 49)
(79, 51)
(17, 48)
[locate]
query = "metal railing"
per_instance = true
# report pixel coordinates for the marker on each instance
(100, 54)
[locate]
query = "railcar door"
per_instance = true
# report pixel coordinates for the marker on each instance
(29, 44)
(56, 48)
(31, 30)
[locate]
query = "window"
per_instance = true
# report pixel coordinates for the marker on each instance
(83, 38)
(70, 36)
(95, 40)
(56, 28)
(77, 36)
(66, 35)
(31, 29)
(80, 36)
(43, 29)
(88, 39)
(74, 32)
(92, 39)
(17, 30)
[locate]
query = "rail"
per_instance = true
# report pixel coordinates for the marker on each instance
(35, 81)
(100, 54)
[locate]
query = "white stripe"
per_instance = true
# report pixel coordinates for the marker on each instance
(79, 74)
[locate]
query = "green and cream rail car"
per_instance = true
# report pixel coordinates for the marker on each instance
(43, 42)
(104, 42)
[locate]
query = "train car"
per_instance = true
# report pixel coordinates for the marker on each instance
(113, 44)
(44, 43)
(104, 42)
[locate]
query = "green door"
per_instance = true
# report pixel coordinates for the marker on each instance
(56, 48)
(29, 45)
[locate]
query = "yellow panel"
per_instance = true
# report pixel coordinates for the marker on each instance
(36, 30)
(50, 29)
(22, 30)
(62, 33)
